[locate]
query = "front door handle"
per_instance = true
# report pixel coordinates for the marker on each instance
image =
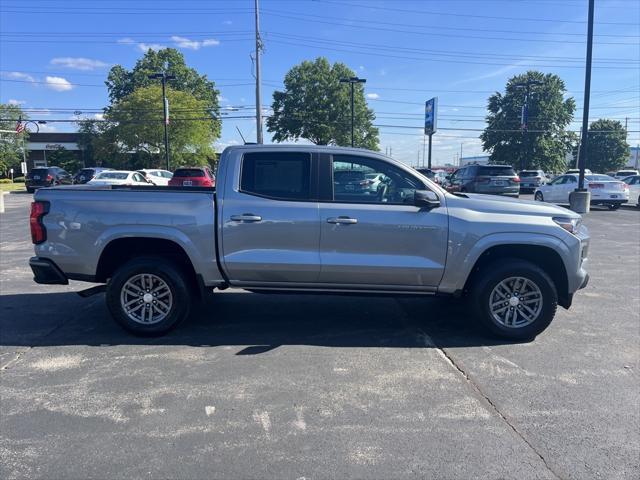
(246, 217)
(342, 220)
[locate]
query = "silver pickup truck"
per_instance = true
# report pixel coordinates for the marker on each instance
(310, 219)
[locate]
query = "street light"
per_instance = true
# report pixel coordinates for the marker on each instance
(352, 81)
(525, 114)
(165, 107)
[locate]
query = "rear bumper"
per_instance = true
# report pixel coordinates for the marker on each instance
(46, 272)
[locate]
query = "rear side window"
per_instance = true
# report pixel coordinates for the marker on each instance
(283, 176)
(497, 171)
(189, 172)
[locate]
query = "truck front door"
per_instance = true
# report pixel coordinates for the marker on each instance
(372, 235)
(270, 219)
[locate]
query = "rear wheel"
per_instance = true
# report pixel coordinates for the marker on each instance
(515, 299)
(149, 296)
(613, 206)
(539, 197)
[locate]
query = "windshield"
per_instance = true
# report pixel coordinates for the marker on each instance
(86, 171)
(112, 175)
(371, 176)
(599, 178)
(348, 176)
(189, 172)
(497, 171)
(530, 173)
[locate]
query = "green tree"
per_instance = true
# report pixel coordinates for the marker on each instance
(64, 159)
(548, 141)
(135, 125)
(11, 144)
(122, 82)
(316, 106)
(608, 149)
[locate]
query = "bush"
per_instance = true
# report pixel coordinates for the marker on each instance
(5, 180)
(18, 180)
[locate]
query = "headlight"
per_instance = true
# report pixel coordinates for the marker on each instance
(571, 225)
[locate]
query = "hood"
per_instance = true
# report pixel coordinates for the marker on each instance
(507, 205)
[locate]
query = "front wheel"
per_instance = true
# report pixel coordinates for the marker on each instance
(148, 296)
(539, 197)
(515, 299)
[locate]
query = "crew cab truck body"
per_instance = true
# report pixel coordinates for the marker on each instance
(277, 221)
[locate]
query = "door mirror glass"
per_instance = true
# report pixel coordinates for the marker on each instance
(426, 199)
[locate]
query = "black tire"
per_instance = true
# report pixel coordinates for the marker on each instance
(613, 206)
(173, 277)
(539, 197)
(488, 278)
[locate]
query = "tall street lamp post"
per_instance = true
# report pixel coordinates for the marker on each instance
(165, 108)
(352, 81)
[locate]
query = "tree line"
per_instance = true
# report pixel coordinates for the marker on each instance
(313, 105)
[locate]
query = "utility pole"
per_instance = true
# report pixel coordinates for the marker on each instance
(259, 138)
(165, 108)
(524, 119)
(352, 81)
(424, 145)
(429, 164)
(580, 198)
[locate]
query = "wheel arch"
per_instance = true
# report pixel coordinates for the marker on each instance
(545, 257)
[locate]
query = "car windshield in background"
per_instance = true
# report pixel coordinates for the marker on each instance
(349, 175)
(599, 178)
(529, 173)
(496, 171)
(189, 172)
(112, 175)
(40, 171)
(86, 171)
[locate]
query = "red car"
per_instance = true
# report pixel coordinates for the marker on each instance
(193, 177)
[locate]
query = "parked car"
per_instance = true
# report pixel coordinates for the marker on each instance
(440, 177)
(634, 188)
(532, 179)
(118, 177)
(46, 177)
(86, 174)
(622, 174)
(357, 182)
(604, 189)
(488, 179)
(156, 176)
(275, 223)
(427, 172)
(193, 177)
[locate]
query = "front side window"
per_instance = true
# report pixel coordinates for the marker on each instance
(368, 180)
(559, 181)
(277, 175)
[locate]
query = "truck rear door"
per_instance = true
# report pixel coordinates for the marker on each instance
(270, 219)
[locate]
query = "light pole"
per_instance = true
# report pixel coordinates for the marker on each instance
(524, 119)
(165, 108)
(352, 81)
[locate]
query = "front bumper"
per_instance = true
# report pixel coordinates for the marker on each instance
(46, 272)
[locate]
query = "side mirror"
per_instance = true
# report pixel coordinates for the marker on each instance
(426, 199)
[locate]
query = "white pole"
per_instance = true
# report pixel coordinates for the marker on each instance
(259, 138)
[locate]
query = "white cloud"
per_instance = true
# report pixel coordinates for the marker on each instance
(13, 101)
(183, 42)
(45, 127)
(58, 84)
(373, 96)
(20, 76)
(143, 47)
(78, 63)
(361, 68)
(99, 116)
(227, 22)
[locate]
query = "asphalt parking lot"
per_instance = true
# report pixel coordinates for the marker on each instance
(275, 386)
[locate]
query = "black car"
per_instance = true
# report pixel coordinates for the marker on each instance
(488, 179)
(46, 177)
(86, 174)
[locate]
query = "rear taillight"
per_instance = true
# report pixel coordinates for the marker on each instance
(38, 231)
(596, 185)
(49, 178)
(366, 182)
(516, 179)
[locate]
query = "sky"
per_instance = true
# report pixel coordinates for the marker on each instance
(55, 55)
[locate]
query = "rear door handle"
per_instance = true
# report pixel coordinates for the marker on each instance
(342, 220)
(246, 217)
